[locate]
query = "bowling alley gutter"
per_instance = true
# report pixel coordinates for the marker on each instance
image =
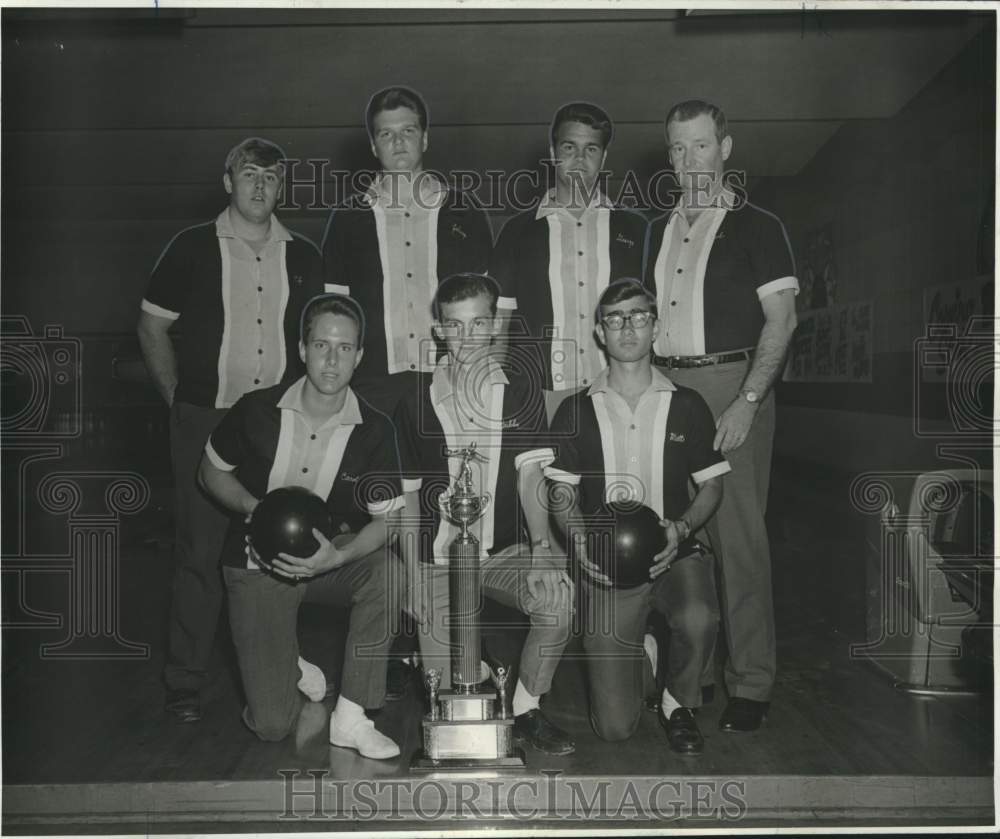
(762, 799)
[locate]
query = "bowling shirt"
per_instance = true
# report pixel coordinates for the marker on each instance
(506, 421)
(236, 311)
(390, 255)
(710, 276)
(649, 455)
(352, 460)
(552, 268)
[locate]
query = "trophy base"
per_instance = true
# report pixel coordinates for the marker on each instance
(422, 763)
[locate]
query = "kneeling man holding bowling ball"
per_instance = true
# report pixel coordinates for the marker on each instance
(311, 473)
(628, 449)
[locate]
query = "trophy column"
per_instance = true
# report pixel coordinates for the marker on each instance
(467, 726)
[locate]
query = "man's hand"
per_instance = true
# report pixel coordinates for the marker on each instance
(326, 558)
(591, 570)
(734, 425)
(662, 560)
(547, 581)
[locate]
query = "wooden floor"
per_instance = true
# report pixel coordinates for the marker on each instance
(101, 722)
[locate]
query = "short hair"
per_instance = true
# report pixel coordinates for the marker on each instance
(625, 289)
(333, 304)
(254, 150)
(692, 108)
(586, 113)
(390, 98)
(460, 287)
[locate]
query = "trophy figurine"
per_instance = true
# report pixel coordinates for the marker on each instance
(468, 726)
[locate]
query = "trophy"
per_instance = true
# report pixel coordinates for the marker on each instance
(468, 726)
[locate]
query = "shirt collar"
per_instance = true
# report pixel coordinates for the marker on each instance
(441, 381)
(433, 192)
(659, 382)
(224, 228)
(723, 202)
(350, 414)
(549, 206)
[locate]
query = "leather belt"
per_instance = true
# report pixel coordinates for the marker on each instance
(677, 361)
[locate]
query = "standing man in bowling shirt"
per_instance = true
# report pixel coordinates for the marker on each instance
(389, 247)
(724, 278)
(554, 260)
(220, 318)
(469, 399)
(640, 437)
(313, 433)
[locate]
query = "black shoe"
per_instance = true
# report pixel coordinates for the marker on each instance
(682, 732)
(743, 714)
(183, 705)
(533, 729)
(396, 679)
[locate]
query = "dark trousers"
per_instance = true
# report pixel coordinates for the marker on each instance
(739, 537)
(614, 625)
(199, 530)
(263, 614)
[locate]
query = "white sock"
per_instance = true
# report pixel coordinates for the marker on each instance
(523, 701)
(668, 704)
(347, 714)
(312, 681)
(652, 650)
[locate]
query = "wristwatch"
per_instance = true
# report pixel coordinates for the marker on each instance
(751, 396)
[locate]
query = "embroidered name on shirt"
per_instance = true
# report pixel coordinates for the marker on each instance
(676, 438)
(347, 476)
(621, 238)
(456, 230)
(511, 423)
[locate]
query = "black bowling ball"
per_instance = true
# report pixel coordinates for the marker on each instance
(622, 539)
(283, 522)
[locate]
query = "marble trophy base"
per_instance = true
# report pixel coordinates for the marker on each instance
(466, 735)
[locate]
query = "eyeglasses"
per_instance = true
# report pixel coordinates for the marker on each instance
(638, 320)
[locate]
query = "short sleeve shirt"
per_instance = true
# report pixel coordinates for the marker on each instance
(650, 455)
(710, 276)
(505, 418)
(352, 460)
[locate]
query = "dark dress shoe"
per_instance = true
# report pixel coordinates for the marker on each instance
(682, 732)
(743, 714)
(396, 679)
(533, 729)
(183, 705)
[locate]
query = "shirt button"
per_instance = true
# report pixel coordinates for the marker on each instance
(407, 214)
(412, 335)
(579, 253)
(258, 259)
(306, 468)
(407, 244)
(256, 381)
(581, 352)
(585, 381)
(260, 352)
(680, 270)
(673, 302)
(259, 320)
(632, 426)
(580, 284)
(260, 288)
(634, 460)
(313, 436)
(687, 240)
(409, 273)
(413, 366)
(579, 224)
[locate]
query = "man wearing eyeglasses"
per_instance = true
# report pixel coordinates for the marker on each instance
(468, 400)
(724, 277)
(640, 437)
